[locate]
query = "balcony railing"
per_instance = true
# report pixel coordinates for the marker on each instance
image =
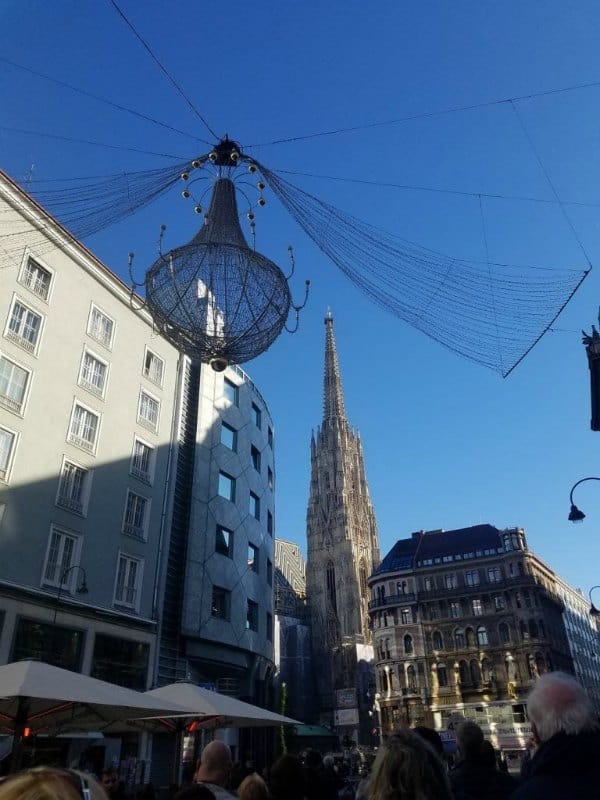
(392, 600)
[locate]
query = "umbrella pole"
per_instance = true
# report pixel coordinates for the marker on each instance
(18, 735)
(177, 765)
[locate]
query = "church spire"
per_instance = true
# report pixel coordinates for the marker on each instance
(333, 399)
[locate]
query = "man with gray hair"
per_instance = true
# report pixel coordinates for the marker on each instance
(566, 763)
(477, 776)
(214, 768)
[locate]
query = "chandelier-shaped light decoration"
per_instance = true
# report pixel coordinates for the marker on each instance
(216, 299)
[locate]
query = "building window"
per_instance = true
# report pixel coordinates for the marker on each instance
(24, 327)
(154, 368)
(270, 436)
(252, 616)
(253, 557)
(220, 603)
(494, 574)
(459, 639)
(269, 523)
(255, 457)
(427, 584)
(129, 581)
(54, 644)
(255, 505)
(36, 278)
(226, 486)
(83, 430)
(269, 572)
(142, 461)
(269, 627)
(13, 385)
(224, 541)
(477, 606)
(229, 436)
(270, 483)
(136, 515)
(231, 392)
(499, 602)
(120, 661)
(61, 555)
(470, 637)
(7, 444)
(411, 678)
(454, 609)
(330, 580)
(148, 411)
(450, 581)
(442, 674)
(92, 375)
(475, 672)
(434, 612)
(405, 616)
(408, 645)
(100, 327)
(482, 637)
(401, 587)
(437, 641)
(464, 673)
(256, 415)
(73, 487)
(472, 577)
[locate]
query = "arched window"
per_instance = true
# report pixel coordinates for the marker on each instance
(504, 632)
(470, 637)
(474, 670)
(331, 585)
(362, 577)
(463, 671)
(523, 629)
(482, 637)
(408, 644)
(533, 629)
(459, 639)
(486, 670)
(437, 641)
(411, 678)
(442, 674)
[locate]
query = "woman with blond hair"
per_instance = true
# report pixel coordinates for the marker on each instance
(407, 768)
(48, 783)
(253, 787)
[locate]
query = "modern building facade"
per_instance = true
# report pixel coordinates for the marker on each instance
(136, 486)
(463, 622)
(343, 550)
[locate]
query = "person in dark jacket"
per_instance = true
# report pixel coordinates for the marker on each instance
(566, 763)
(477, 776)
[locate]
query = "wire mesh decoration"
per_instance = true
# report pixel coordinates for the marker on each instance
(216, 299)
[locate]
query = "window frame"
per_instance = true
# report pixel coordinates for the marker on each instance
(226, 596)
(143, 536)
(254, 505)
(91, 449)
(226, 476)
(234, 400)
(86, 385)
(472, 577)
(477, 608)
(253, 558)
(145, 370)
(66, 503)
(41, 265)
(255, 458)
(110, 344)
(74, 559)
(234, 436)
(139, 577)
(146, 478)
(5, 401)
(17, 338)
(270, 522)
(143, 421)
(256, 413)
(252, 609)
(5, 478)
(221, 551)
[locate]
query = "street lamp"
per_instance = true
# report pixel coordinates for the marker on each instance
(575, 514)
(81, 588)
(594, 612)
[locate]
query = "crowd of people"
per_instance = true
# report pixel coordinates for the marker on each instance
(562, 761)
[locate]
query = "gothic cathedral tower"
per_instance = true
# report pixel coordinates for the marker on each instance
(343, 547)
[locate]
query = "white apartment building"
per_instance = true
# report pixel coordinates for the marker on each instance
(136, 487)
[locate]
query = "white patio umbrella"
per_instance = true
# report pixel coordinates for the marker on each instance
(212, 709)
(52, 700)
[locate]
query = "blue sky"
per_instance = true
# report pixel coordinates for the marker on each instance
(447, 443)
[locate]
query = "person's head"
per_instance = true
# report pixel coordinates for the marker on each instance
(313, 759)
(110, 781)
(407, 766)
(47, 783)
(329, 762)
(215, 763)
(469, 738)
(559, 703)
(253, 788)
(431, 736)
(286, 779)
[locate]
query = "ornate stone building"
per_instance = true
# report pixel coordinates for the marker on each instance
(463, 623)
(343, 550)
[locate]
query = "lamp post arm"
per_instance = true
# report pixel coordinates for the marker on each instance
(583, 480)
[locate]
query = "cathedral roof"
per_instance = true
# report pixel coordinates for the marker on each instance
(425, 546)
